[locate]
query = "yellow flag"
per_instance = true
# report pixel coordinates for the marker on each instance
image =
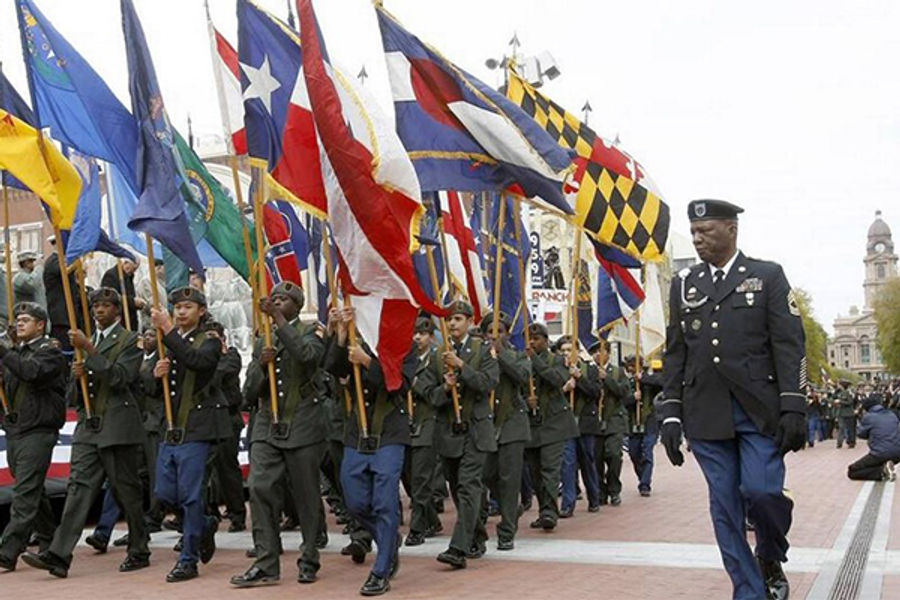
(38, 164)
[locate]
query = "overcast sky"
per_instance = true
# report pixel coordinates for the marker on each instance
(789, 109)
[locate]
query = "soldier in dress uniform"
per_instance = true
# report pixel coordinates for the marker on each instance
(579, 453)
(615, 390)
(200, 419)
(34, 378)
(643, 426)
(373, 459)
(462, 441)
(294, 445)
(106, 444)
(734, 373)
(845, 410)
(552, 424)
(423, 521)
(503, 468)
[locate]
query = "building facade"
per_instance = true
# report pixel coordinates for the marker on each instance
(854, 347)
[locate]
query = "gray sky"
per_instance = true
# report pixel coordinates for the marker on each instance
(787, 108)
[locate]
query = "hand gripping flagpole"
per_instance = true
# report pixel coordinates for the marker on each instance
(498, 263)
(160, 347)
(261, 273)
(523, 284)
(445, 333)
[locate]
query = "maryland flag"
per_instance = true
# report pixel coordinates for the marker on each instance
(37, 163)
(613, 203)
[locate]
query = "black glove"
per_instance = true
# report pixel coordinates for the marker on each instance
(791, 434)
(670, 434)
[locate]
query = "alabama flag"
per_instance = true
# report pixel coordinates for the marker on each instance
(374, 204)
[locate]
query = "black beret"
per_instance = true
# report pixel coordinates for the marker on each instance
(487, 321)
(597, 345)
(105, 294)
(188, 294)
(32, 309)
(461, 307)
(291, 290)
(424, 325)
(538, 329)
(702, 210)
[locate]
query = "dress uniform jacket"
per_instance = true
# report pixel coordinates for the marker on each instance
(34, 375)
(616, 390)
(207, 418)
(386, 414)
(846, 403)
(227, 382)
(651, 384)
(475, 380)
(557, 422)
(423, 412)
(587, 401)
(111, 374)
(743, 339)
(510, 409)
(298, 353)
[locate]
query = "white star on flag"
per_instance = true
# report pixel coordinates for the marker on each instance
(262, 84)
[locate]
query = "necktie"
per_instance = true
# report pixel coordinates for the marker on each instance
(99, 338)
(457, 347)
(718, 277)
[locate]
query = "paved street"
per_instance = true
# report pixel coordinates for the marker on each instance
(647, 548)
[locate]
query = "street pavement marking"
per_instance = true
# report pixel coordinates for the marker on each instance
(877, 561)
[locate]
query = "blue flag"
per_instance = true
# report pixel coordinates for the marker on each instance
(160, 210)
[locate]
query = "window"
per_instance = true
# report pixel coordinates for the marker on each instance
(846, 351)
(879, 270)
(865, 354)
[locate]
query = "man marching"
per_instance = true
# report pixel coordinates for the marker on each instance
(735, 374)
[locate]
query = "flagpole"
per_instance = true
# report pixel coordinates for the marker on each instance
(357, 375)
(523, 286)
(121, 272)
(70, 310)
(445, 333)
(10, 300)
(261, 283)
(498, 263)
(82, 292)
(160, 348)
(576, 273)
(637, 350)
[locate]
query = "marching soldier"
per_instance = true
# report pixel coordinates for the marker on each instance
(614, 391)
(106, 444)
(34, 376)
(292, 445)
(503, 468)
(552, 424)
(734, 373)
(462, 440)
(845, 410)
(643, 426)
(424, 521)
(200, 419)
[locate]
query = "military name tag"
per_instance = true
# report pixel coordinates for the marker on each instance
(751, 284)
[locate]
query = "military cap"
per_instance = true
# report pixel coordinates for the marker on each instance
(563, 339)
(702, 210)
(105, 294)
(187, 294)
(32, 309)
(538, 329)
(629, 359)
(291, 290)
(487, 321)
(424, 325)
(461, 307)
(600, 343)
(26, 255)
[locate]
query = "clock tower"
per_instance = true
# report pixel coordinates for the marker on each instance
(880, 260)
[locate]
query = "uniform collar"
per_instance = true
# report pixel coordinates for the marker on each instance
(105, 333)
(727, 268)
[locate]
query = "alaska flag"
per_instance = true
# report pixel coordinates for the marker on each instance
(160, 211)
(516, 248)
(460, 133)
(12, 102)
(71, 99)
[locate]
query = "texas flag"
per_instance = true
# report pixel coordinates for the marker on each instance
(281, 135)
(374, 205)
(460, 133)
(463, 255)
(228, 85)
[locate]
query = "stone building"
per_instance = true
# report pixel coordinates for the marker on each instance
(854, 346)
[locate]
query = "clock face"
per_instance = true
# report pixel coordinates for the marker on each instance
(879, 247)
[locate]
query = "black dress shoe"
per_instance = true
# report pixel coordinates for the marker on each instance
(566, 514)
(615, 499)
(97, 543)
(433, 531)
(120, 541)
(208, 541)
(7, 563)
(254, 577)
(594, 508)
(182, 571)
(179, 545)
(505, 545)
(548, 523)
(477, 550)
(322, 540)
(133, 563)
(306, 573)
(536, 524)
(356, 550)
(153, 527)
(375, 585)
(47, 562)
(452, 557)
(645, 493)
(777, 586)
(415, 539)
(251, 553)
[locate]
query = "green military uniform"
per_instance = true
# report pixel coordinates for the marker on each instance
(335, 408)
(846, 417)
(421, 459)
(503, 468)
(295, 451)
(551, 425)
(614, 423)
(112, 450)
(34, 376)
(463, 451)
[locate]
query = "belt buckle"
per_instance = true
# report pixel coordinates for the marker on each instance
(175, 436)
(11, 418)
(535, 418)
(280, 430)
(369, 444)
(94, 424)
(638, 429)
(415, 429)
(460, 428)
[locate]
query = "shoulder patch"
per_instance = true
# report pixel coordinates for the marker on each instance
(792, 303)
